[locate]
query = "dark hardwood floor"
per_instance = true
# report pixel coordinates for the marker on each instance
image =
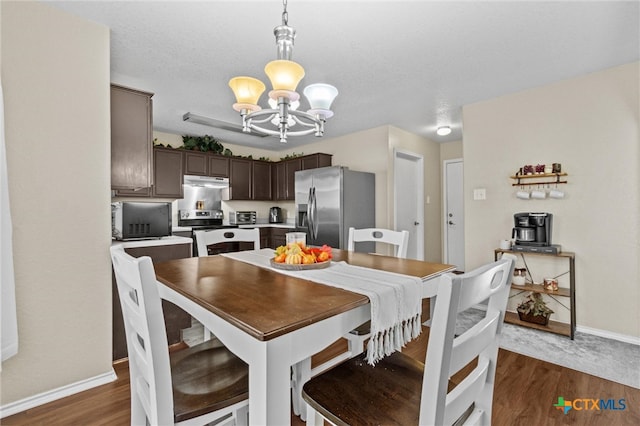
(525, 391)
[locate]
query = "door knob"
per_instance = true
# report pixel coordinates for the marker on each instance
(451, 223)
(416, 223)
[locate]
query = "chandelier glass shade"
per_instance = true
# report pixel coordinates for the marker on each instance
(283, 119)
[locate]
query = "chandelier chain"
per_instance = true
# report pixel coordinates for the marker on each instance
(285, 14)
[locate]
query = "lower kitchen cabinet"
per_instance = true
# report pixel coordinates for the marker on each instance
(279, 237)
(175, 318)
(273, 237)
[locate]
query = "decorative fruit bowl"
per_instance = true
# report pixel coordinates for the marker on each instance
(298, 257)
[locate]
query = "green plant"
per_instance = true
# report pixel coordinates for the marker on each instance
(202, 143)
(291, 156)
(534, 305)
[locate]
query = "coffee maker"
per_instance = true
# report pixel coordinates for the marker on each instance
(532, 229)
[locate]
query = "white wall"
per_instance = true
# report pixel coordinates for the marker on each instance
(590, 125)
(55, 75)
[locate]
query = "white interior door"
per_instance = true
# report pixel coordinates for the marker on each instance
(409, 195)
(454, 213)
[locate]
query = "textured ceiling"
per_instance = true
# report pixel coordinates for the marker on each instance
(410, 64)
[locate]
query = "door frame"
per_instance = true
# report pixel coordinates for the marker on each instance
(445, 207)
(419, 194)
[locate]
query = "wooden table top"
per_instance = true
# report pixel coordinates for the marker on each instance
(267, 304)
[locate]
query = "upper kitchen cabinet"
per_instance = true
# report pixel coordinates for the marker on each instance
(204, 164)
(168, 171)
(284, 173)
(261, 187)
(240, 181)
(218, 166)
(131, 138)
(315, 161)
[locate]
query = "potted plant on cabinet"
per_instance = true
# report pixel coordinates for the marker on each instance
(534, 309)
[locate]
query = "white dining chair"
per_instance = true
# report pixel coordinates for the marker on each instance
(400, 390)
(357, 337)
(398, 239)
(202, 384)
(226, 235)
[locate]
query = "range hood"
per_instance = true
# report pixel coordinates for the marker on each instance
(206, 181)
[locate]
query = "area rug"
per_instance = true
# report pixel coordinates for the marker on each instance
(606, 358)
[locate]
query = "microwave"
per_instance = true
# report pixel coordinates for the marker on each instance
(140, 220)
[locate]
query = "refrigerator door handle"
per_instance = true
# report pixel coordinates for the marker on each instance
(309, 213)
(314, 211)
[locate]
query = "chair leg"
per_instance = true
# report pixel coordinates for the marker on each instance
(313, 417)
(300, 374)
(242, 416)
(207, 334)
(356, 343)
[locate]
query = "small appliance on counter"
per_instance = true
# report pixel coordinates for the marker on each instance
(140, 220)
(275, 215)
(242, 218)
(532, 233)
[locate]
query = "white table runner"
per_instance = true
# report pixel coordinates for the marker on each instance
(396, 304)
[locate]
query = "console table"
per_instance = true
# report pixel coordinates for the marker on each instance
(563, 292)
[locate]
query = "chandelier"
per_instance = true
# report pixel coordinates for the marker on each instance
(283, 119)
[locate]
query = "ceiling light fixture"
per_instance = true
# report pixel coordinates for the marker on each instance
(443, 130)
(284, 75)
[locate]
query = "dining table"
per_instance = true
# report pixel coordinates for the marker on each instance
(273, 320)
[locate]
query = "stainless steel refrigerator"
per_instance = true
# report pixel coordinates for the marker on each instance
(329, 200)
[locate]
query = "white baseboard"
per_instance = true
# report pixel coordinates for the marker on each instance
(609, 335)
(55, 394)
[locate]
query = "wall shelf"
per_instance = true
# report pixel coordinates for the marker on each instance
(538, 179)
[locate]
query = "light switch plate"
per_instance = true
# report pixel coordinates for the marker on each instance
(479, 194)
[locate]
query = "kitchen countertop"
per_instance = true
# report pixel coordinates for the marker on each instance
(254, 225)
(164, 241)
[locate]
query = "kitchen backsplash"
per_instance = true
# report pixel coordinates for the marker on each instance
(261, 208)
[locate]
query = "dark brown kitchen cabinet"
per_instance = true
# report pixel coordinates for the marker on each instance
(315, 161)
(278, 237)
(205, 164)
(240, 181)
(195, 163)
(168, 168)
(175, 318)
(284, 173)
(261, 181)
(218, 166)
(131, 138)
(265, 237)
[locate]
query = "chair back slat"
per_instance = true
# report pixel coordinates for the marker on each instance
(464, 395)
(399, 239)
(227, 235)
(473, 342)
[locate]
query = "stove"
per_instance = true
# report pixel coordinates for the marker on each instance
(201, 220)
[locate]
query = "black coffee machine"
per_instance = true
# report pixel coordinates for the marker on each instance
(532, 229)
